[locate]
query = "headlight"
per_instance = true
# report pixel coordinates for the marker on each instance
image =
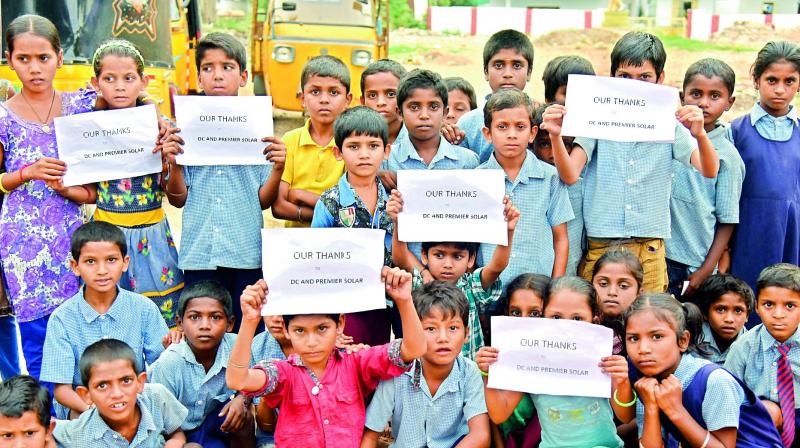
(361, 58)
(283, 54)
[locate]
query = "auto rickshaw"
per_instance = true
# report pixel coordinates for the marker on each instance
(165, 31)
(287, 33)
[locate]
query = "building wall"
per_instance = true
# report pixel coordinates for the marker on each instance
(562, 4)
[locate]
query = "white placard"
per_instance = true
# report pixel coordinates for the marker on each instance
(108, 145)
(223, 130)
(620, 109)
(550, 356)
(452, 205)
(312, 271)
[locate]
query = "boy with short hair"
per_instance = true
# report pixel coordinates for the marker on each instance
(100, 310)
(222, 204)
(379, 82)
(24, 413)
(194, 370)
(726, 303)
(311, 166)
(440, 401)
(627, 184)
(460, 98)
(704, 214)
(124, 410)
(767, 357)
(556, 74)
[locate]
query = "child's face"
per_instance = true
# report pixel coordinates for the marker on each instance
(324, 98)
(362, 155)
(525, 303)
(543, 148)
(100, 265)
(646, 72)
(457, 105)
(568, 304)
(561, 95)
(380, 95)
(220, 75)
(275, 326)
(444, 335)
(423, 114)
(727, 315)
(507, 69)
(710, 95)
(35, 61)
(23, 432)
(447, 262)
(652, 344)
(314, 337)
(204, 323)
(616, 289)
(113, 388)
(778, 309)
(119, 82)
(777, 87)
(510, 133)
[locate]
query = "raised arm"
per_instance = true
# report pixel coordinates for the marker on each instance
(401, 256)
(275, 153)
(569, 165)
(491, 272)
(175, 184)
(705, 159)
(238, 376)
(398, 287)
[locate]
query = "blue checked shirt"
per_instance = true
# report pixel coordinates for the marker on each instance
(543, 202)
(778, 129)
(753, 357)
(715, 355)
(419, 419)
(200, 391)
(627, 185)
(575, 227)
(699, 203)
(472, 125)
(723, 396)
(161, 415)
(265, 347)
(222, 217)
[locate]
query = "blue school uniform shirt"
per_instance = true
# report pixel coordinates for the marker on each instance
(472, 125)
(575, 229)
(777, 129)
(200, 391)
(161, 415)
(722, 400)
(627, 185)
(543, 202)
(699, 203)
(265, 347)
(419, 419)
(753, 357)
(222, 217)
(715, 355)
(576, 421)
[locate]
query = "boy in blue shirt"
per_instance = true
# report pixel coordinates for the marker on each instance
(100, 310)
(25, 419)
(627, 184)
(124, 411)
(440, 401)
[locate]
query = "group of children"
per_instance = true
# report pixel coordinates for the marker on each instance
(143, 352)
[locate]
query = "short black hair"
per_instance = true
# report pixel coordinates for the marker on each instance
(359, 120)
(538, 116)
(508, 39)
(575, 284)
(22, 393)
(780, 275)
(710, 68)
(636, 48)
(288, 318)
(326, 66)
(557, 71)
(506, 99)
(95, 231)
(471, 248)
(775, 51)
(105, 350)
(717, 285)
(225, 42)
(206, 288)
(382, 66)
(459, 83)
(421, 79)
(448, 298)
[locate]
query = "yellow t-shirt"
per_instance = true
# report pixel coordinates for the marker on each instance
(309, 166)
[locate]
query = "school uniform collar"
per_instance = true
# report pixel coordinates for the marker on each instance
(450, 384)
(116, 311)
(758, 112)
(220, 360)
(405, 150)
(532, 168)
(306, 140)
(768, 342)
(347, 196)
(720, 130)
(98, 427)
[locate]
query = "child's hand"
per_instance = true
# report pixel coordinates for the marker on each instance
(252, 299)
(427, 277)
(56, 185)
(669, 396)
(172, 443)
(395, 205)
(452, 134)
(355, 348)
(235, 413)
(646, 389)
(485, 357)
(552, 120)
(692, 118)
(171, 146)
(398, 283)
(343, 340)
(46, 168)
(388, 179)
(511, 213)
(616, 367)
(173, 337)
(275, 152)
